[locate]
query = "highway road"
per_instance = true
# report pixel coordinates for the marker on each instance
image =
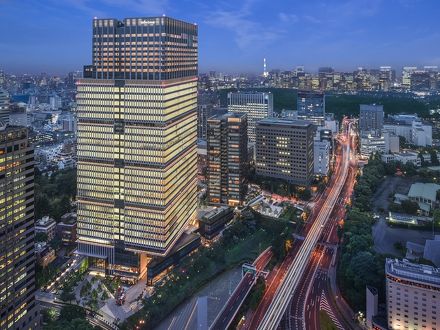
(315, 292)
(230, 310)
(277, 275)
(295, 270)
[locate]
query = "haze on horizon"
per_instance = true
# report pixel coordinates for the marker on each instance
(234, 36)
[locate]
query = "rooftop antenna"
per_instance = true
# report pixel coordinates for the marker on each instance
(265, 73)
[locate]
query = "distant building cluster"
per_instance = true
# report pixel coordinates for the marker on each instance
(420, 80)
(384, 135)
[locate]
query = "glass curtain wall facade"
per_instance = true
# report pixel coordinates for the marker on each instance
(4, 107)
(256, 105)
(17, 255)
(137, 133)
(227, 151)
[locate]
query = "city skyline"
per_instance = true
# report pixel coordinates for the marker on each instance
(234, 38)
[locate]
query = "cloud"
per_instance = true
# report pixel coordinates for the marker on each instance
(288, 18)
(249, 33)
(312, 19)
(144, 7)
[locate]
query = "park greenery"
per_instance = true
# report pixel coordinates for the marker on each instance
(54, 193)
(43, 275)
(71, 317)
(280, 187)
(359, 264)
(348, 104)
(407, 206)
(242, 242)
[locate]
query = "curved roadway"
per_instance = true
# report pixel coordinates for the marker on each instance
(283, 295)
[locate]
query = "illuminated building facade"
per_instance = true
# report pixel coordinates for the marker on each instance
(17, 255)
(4, 107)
(256, 105)
(311, 104)
(371, 118)
(137, 133)
(227, 155)
(285, 150)
(413, 295)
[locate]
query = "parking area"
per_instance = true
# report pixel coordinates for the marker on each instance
(390, 186)
(385, 237)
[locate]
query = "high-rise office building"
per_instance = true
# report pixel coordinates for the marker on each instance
(406, 76)
(208, 105)
(371, 118)
(17, 255)
(4, 108)
(412, 295)
(227, 158)
(256, 105)
(285, 150)
(387, 77)
(311, 104)
(137, 133)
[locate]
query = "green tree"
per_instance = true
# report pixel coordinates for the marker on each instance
(42, 204)
(70, 312)
(410, 207)
(40, 237)
(305, 194)
(434, 158)
(56, 243)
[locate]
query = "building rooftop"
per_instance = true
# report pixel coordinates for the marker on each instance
(249, 92)
(45, 221)
(410, 271)
(406, 154)
(371, 107)
(227, 115)
(285, 122)
(209, 217)
(432, 250)
(424, 190)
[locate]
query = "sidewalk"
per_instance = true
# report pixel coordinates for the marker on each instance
(338, 300)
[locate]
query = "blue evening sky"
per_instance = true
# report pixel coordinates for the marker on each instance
(54, 36)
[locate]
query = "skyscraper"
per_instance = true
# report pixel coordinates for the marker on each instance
(285, 150)
(406, 76)
(256, 105)
(227, 158)
(137, 132)
(311, 104)
(17, 256)
(4, 107)
(371, 118)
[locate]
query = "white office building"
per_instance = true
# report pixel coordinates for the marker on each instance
(371, 144)
(321, 157)
(412, 295)
(411, 128)
(421, 134)
(257, 106)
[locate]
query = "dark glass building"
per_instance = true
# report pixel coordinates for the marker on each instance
(311, 104)
(18, 309)
(371, 118)
(227, 155)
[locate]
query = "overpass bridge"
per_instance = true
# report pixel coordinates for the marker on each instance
(250, 273)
